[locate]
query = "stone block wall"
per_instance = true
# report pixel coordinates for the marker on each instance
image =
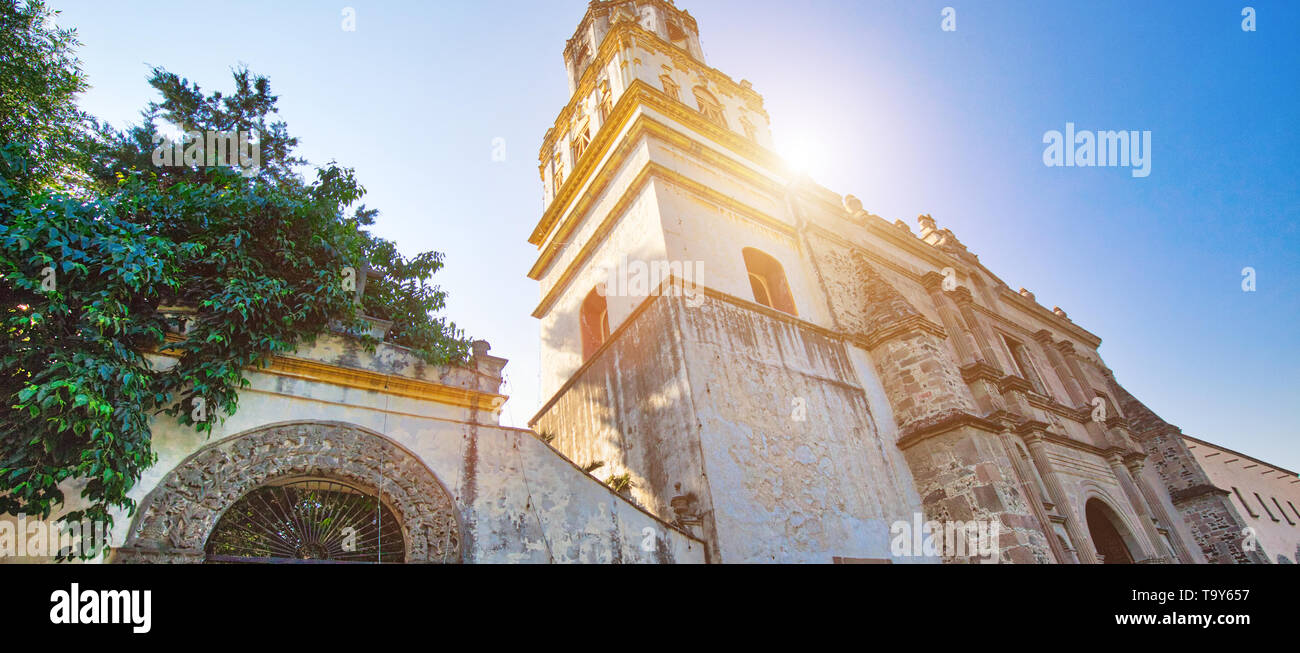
(757, 418)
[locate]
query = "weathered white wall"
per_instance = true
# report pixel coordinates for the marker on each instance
(518, 500)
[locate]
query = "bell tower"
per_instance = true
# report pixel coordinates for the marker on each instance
(644, 109)
(686, 348)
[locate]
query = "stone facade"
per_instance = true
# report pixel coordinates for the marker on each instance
(906, 379)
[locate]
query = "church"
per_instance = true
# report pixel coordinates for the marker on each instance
(738, 366)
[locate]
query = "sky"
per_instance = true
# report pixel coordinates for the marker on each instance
(882, 102)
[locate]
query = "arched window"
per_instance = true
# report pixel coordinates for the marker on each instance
(1024, 364)
(307, 520)
(670, 87)
(710, 107)
(581, 140)
(557, 171)
(677, 36)
(595, 322)
(606, 102)
(767, 278)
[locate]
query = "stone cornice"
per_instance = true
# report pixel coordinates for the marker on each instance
(981, 371)
(943, 423)
(1134, 461)
(962, 296)
(683, 59)
(1035, 309)
(904, 327)
(659, 293)
(1030, 426)
(620, 36)
(1006, 418)
(1064, 441)
(650, 171)
(370, 381)
(1199, 490)
(1051, 405)
(1013, 382)
(569, 206)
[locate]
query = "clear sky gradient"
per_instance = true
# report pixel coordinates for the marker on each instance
(887, 106)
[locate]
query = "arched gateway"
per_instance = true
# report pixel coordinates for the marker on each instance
(290, 492)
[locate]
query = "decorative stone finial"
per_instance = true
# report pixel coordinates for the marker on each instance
(1026, 294)
(480, 348)
(853, 205)
(1060, 313)
(928, 228)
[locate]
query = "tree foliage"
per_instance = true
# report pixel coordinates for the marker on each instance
(40, 77)
(236, 265)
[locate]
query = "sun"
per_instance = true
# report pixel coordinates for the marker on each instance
(799, 152)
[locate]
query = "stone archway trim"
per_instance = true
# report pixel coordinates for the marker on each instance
(176, 517)
(1135, 542)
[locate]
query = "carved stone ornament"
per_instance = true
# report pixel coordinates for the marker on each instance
(176, 518)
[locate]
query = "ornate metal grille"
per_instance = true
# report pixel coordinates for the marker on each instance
(307, 522)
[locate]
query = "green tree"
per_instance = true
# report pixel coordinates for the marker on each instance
(236, 264)
(40, 77)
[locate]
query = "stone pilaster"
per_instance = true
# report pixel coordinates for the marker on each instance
(962, 339)
(1155, 548)
(1054, 356)
(1037, 446)
(1157, 509)
(1031, 486)
(1097, 430)
(966, 307)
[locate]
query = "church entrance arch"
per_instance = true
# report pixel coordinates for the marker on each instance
(1108, 533)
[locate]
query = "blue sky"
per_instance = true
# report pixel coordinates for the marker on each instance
(909, 118)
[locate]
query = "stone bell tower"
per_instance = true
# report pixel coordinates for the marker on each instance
(779, 372)
(684, 339)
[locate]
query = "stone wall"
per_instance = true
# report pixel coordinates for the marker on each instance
(1215, 524)
(755, 419)
(440, 460)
